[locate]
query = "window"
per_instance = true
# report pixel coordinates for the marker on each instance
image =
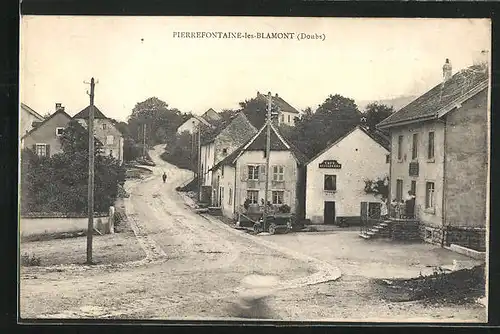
(111, 153)
(288, 118)
(59, 131)
(278, 197)
(230, 199)
(330, 182)
(399, 190)
(41, 150)
(282, 118)
(430, 148)
(253, 196)
(429, 195)
(104, 126)
(278, 173)
(109, 140)
(224, 151)
(414, 188)
(222, 170)
(387, 158)
(253, 172)
(400, 147)
(414, 151)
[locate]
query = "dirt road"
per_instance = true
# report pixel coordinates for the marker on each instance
(193, 266)
(193, 269)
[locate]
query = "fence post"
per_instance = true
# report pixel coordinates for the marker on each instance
(111, 219)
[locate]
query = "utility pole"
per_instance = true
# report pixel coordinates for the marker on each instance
(144, 141)
(200, 170)
(90, 201)
(268, 151)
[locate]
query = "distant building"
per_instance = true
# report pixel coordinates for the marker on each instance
(28, 119)
(336, 177)
(440, 152)
(211, 115)
(105, 131)
(191, 125)
(286, 113)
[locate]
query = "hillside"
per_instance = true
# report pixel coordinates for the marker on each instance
(397, 102)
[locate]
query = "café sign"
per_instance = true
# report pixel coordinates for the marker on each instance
(330, 164)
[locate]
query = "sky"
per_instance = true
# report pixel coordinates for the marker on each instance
(134, 58)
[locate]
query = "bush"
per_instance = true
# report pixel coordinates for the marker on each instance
(30, 261)
(179, 152)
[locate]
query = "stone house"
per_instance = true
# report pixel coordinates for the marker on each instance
(439, 150)
(286, 113)
(215, 148)
(105, 131)
(335, 177)
(241, 175)
(28, 119)
(211, 116)
(44, 138)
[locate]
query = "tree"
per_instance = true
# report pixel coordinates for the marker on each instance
(155, 114)
(376, 113)
(334, 117)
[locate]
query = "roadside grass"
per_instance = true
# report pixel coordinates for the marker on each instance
(110, 248)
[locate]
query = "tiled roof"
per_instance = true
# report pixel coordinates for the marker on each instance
(440, 97)
(258, 143)
(84, 114)
(378, 137)
(278, 101)
(60, 111)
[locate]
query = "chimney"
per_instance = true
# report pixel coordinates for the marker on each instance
(447, 70)
(58, 106)
(277, 95)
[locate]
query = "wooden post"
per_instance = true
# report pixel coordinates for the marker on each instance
(268, 151)
(90, 227)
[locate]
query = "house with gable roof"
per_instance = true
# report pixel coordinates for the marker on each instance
(43, 139)
(439, 151)
(105, 131)
(335, 186)
(241, 175)
(286, 113)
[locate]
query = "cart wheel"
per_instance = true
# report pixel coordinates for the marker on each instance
(272, 228)
(256, 228)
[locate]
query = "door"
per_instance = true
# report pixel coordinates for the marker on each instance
(329, 213)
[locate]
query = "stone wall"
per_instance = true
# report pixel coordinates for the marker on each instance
(407, 230)
(474, 238)
(431, 234)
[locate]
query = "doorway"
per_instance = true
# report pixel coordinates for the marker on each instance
(329, 213)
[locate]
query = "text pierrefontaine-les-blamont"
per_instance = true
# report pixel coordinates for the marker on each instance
(245, 35)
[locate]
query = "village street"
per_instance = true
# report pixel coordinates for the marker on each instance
(193, 269)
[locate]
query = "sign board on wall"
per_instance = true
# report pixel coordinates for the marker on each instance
(330, 164)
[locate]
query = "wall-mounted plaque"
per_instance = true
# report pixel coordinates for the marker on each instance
(330, 164)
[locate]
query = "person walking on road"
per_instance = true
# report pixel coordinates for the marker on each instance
(164, 176)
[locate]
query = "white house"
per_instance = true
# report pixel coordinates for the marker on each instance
(335, 178)
(28, 119)
(242, 175)
(191, 125)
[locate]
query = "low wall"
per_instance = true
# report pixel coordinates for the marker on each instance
(38, 226)
(474, 238)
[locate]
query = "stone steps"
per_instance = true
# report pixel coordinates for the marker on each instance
(375, 231)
